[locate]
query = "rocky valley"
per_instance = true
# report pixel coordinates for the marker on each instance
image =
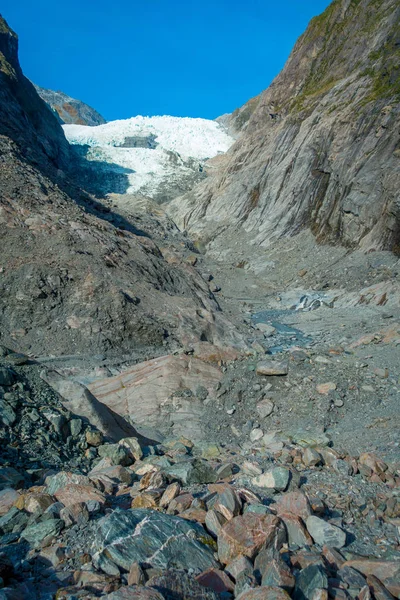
(200, 335)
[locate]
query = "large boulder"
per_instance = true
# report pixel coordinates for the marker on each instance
(158, 539)
(161, 393)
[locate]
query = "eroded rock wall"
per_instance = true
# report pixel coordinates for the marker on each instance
(321, 148)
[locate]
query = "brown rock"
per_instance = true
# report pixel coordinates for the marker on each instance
(311, 457)
(134, 592)
(180, 503)
(194, 514)
(370, 460)
(8, 498)
(333, 558)
(34, 502)
(216, 580)
(382, 569)
(325, 388)
(239, 565)
(245, 535)
(94, 437)
(144, 501)
(136, 575)
(278, 574)
(170, 494)
(74, 493)
(293, 502)
(75, 513)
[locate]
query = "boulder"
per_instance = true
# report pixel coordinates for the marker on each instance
(272, 367)
(161, 540)
(149, 393)
(324, 533)
(245, 535)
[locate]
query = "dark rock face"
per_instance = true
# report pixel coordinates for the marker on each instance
(69, 110)
(320, 148)
(24, 117)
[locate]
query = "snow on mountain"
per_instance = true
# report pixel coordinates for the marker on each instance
(160, 157)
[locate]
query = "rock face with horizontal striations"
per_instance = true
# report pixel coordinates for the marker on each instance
(319, 148)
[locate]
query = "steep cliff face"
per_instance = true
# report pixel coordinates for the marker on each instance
(24, 117)
(321, 148)
(68, 110)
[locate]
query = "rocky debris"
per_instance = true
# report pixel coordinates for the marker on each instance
(146, 528)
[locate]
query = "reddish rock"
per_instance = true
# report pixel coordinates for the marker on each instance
(180, 503)
(325, 388)
(372, 461)
(194, 514)
(216, 580)
(245, 536)
(8, 498)
(333, 558)
(74, 493)
(144, 501)
(382, 569)
(293, 502)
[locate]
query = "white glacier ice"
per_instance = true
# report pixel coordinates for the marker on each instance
(177, 148)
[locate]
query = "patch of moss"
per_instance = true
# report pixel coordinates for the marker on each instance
(384, 71)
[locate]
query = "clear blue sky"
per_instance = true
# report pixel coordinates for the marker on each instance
(177, 57)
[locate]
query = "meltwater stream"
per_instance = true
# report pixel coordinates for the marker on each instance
(285, 336)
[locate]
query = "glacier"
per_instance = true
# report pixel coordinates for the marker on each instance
(162, 156)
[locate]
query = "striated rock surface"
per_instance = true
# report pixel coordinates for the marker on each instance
(161, 393)
(321, 147)
(70, 110)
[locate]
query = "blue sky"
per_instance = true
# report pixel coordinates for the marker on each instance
(177, 57)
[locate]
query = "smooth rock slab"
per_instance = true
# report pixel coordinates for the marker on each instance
(8, 497)
(162, 540)
(246, 535)
(324, 533)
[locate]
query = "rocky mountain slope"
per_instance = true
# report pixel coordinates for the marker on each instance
(69, 110)
(75, 275)
(161, 157)
(320, 147)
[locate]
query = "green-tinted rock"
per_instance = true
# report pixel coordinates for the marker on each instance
(35, 534)
(192, 471)
(161, 540)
